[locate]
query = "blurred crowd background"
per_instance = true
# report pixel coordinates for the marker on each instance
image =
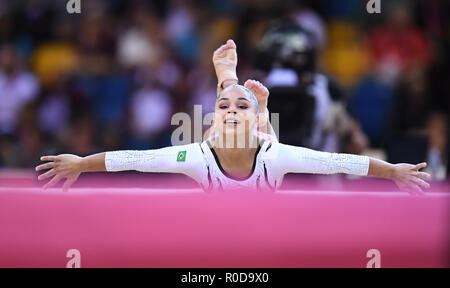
(112, 76)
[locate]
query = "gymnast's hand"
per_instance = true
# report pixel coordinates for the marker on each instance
(64, 166)
(225, 62)
(409, 178)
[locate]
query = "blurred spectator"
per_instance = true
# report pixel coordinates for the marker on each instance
(394, 90)
(343, 9)
(181, 30)
(345, 54)
(412, 106)
(311, 22)
(79, 138)
(372, 104)
(17, 88)
(107, 96)
(398, 45)
(437, 128)
(408, 119)
(54, 109)
(151, 109)
(97, 43)
(57, 57)
(30, 138)
(139, 44)
(202, 79)
(201, 83)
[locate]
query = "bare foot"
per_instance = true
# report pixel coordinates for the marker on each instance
(225, 62)
(260, 91)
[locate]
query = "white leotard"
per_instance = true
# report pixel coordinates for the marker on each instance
(273, 160)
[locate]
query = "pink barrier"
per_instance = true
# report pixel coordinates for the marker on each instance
(144, 229)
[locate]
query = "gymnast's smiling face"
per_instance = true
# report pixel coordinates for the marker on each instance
(236, 112)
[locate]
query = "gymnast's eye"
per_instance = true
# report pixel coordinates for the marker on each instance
(243, 107)
(223, 107)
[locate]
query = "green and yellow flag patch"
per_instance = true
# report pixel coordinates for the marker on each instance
(181, 156)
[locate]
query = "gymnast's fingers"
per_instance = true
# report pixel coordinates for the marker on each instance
(45, 166)
(415, 190)
(49, 158)
(421, 183)
(68, 183)
(423, 175)
(420, 166)
(47, 174)
(53, 182)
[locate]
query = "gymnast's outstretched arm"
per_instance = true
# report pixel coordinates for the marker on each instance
(183, 159)
(283, 159)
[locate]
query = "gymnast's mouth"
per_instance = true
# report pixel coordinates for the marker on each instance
(231, 122)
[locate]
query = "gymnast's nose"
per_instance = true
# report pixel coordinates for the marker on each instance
(231, 110)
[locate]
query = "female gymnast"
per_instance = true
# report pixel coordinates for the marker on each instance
(236, 155)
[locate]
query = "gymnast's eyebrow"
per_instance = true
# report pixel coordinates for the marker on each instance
(240, 98)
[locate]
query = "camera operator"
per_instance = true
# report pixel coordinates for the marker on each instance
(310, 104)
